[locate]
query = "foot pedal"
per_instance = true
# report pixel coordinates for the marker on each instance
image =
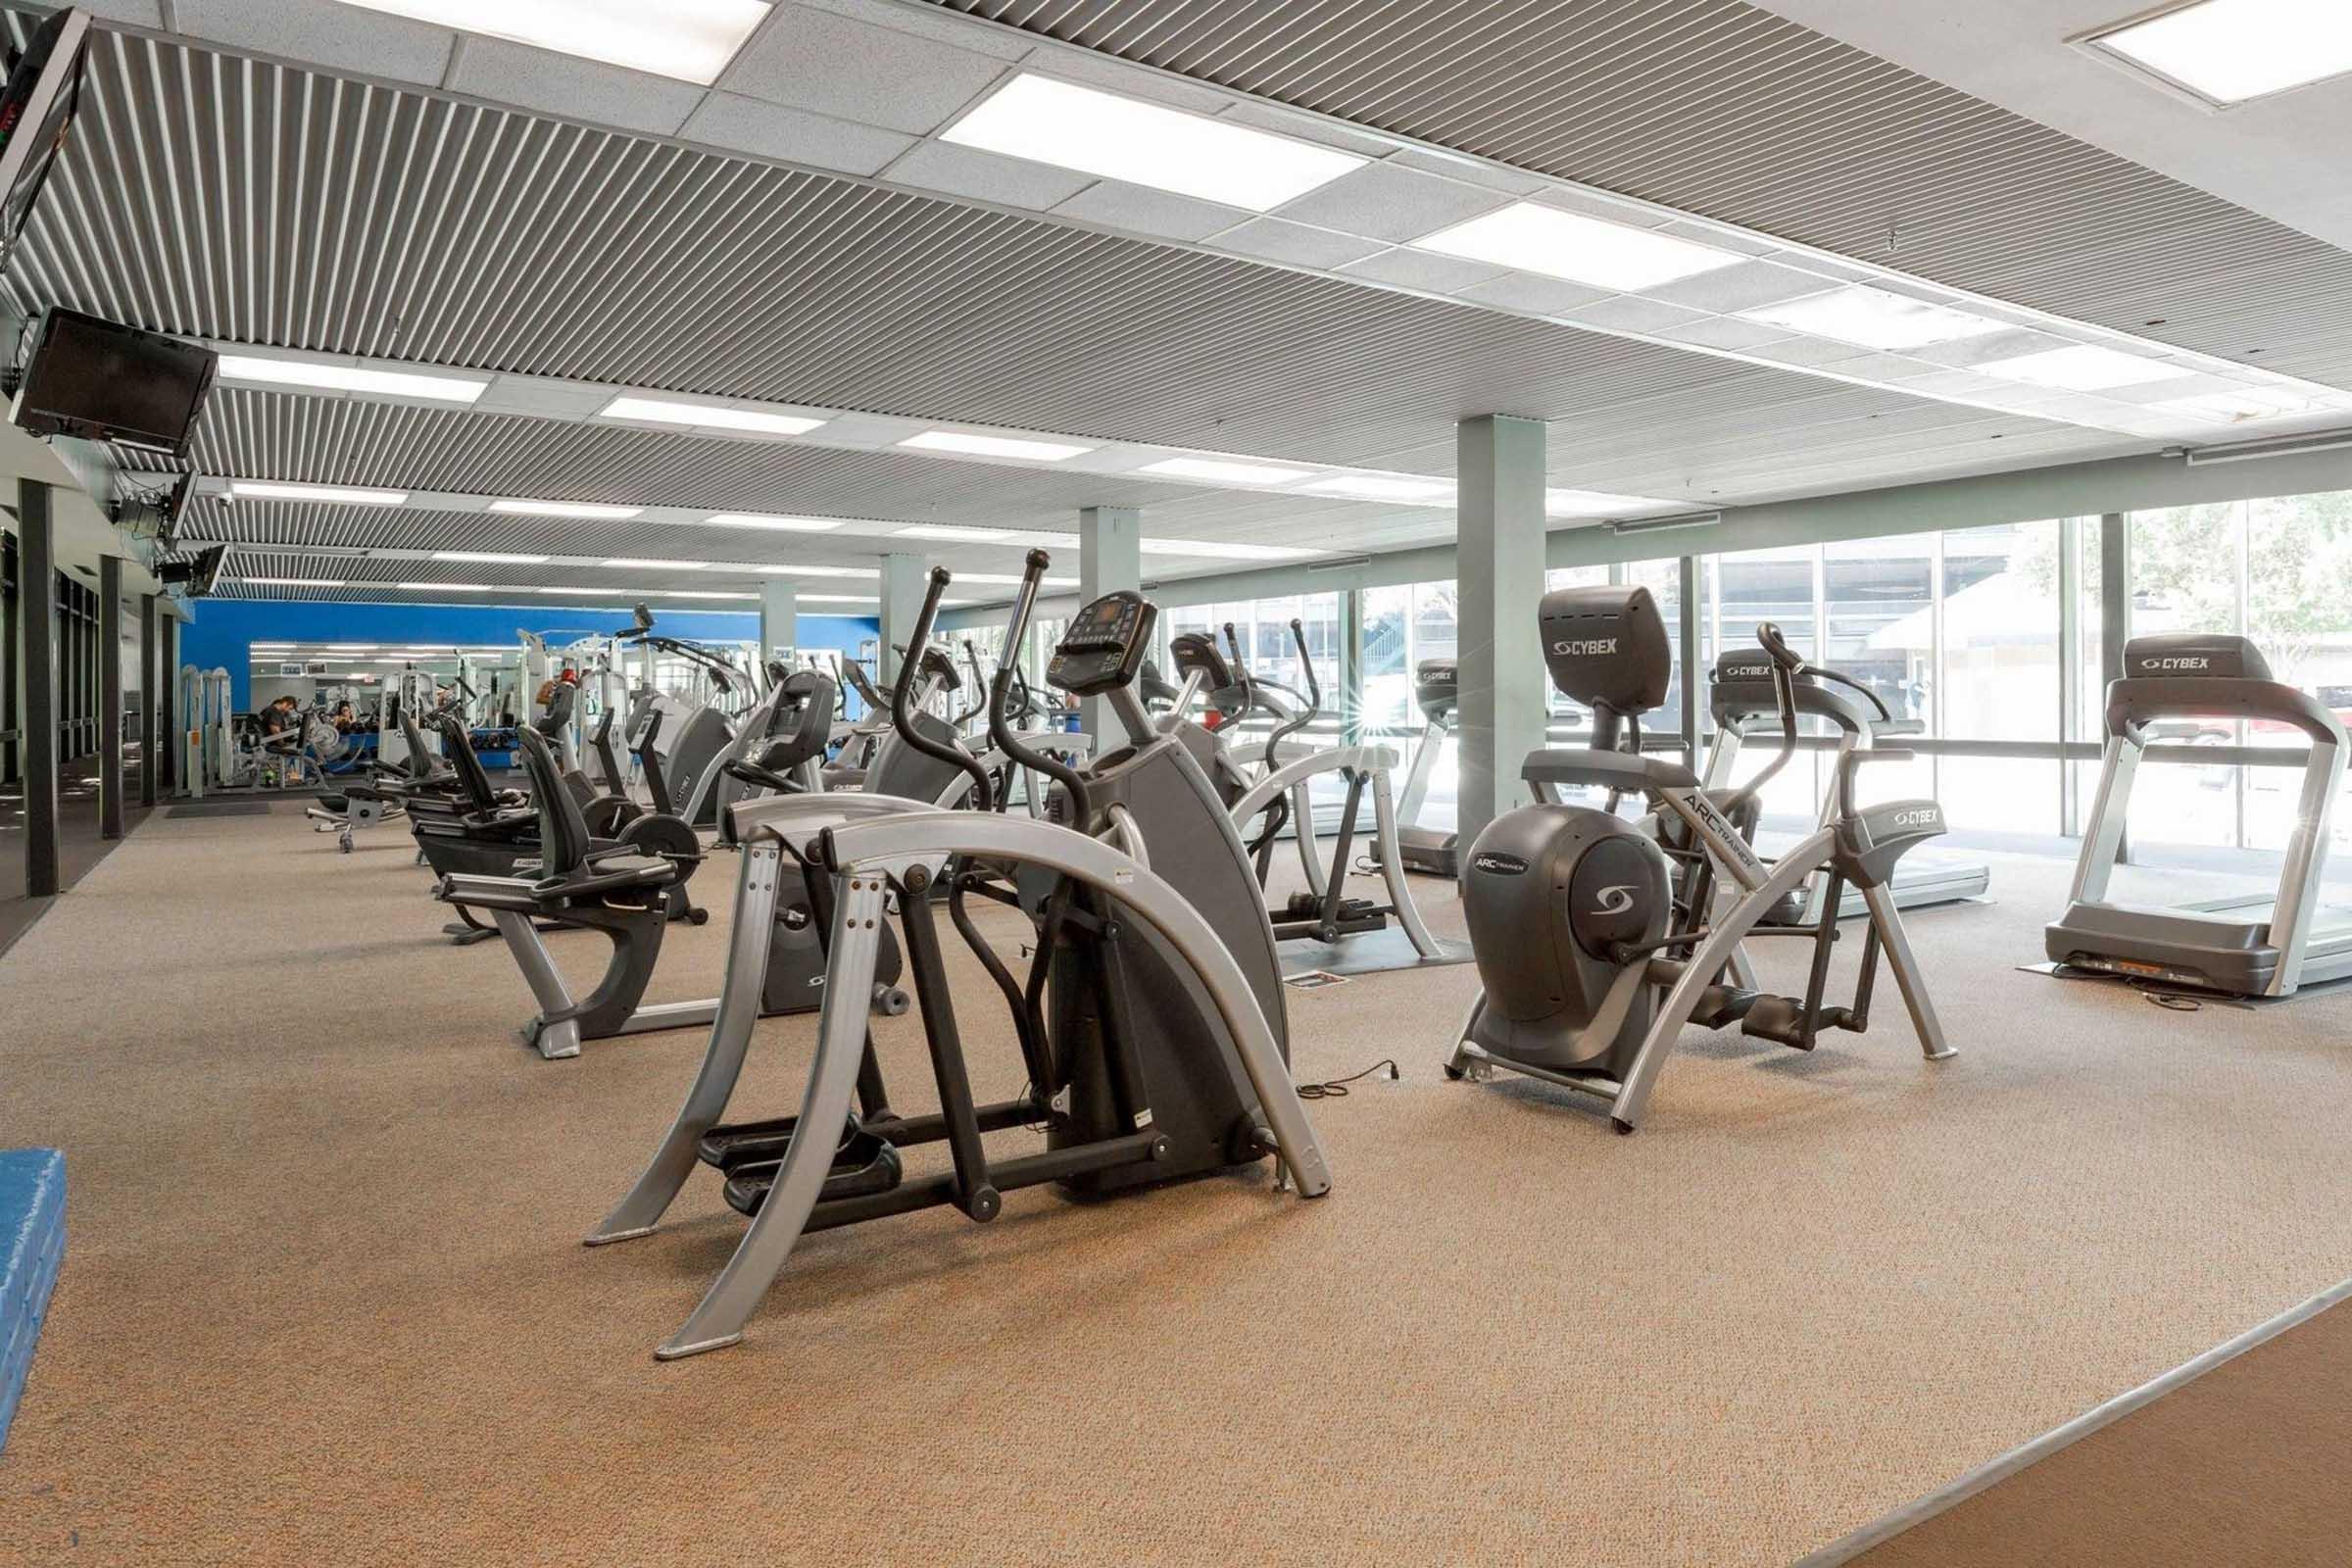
(732, 1145)
(1718, 1006)
(865, 1166)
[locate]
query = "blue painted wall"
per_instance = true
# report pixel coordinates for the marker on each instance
(224, 630)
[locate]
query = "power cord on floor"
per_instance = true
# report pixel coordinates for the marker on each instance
(1337, 1088)
(2149, 991)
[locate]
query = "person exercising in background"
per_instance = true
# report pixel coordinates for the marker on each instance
(276, 719)
(346, 720)
(556, 697)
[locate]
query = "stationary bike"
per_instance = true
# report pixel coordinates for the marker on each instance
(1597, 941)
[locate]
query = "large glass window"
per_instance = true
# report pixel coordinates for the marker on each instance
(1999, 678)
(1987, 635)
(2278, 571)
(1403, 626)
(1744, 591)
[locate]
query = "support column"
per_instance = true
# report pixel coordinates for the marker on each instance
(2115, 598)
(167, 687)
(1687, 630)
(2115, 624)
(36, 600)
(1110, 558)
(779, 621)
(901, 602)
(110, 697)
(150, 685)
(1350, 697)
(1498, 588)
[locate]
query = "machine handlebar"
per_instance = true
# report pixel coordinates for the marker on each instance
(1774, 644)
(902, 699)
(1016, 632)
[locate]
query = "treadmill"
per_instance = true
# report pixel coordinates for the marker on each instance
(2255, 947)
(1740, 696)
(1431, 850)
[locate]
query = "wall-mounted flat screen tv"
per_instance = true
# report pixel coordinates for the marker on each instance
(104, 381)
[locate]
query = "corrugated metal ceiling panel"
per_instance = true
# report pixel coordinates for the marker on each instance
(212, 194)
(1718, 107)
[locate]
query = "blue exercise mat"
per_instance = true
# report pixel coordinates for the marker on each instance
(32, 1243)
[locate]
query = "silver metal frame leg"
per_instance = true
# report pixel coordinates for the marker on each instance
(719, 1320)
(555, 1040)
(756, 891)
(1391, 867)
(1907, 978)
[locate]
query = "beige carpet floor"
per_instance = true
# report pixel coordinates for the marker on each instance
(324, 1300)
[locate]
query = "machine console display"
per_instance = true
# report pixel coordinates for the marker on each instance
(1103, 648)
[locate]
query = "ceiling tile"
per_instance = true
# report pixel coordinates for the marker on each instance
(985, 175)
(1726, 332)
(1962, 353)
(339, 36)
(1523, 291)
(1391, 202)
(562, 84)
(138, 12)
(1408, 268)
(1003, 43)
(519, 394)
(1274, 241)
(855, 70)
(1144, 211)
(1741, 288)
(771, 130)
(1808, 350)
(1629, 313)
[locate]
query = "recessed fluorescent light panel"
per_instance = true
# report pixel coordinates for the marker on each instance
(256, 370)
(347, 495)
(1874, 319)
(565, 509)
(647, 564)
(749, 520)
(1533, 238)
(293, 582)
(2084, 368)
(952, 531)
(1222, 472)
(446, 588)
(653, 410)
(497, 556)
(991, 446)
(1070, 126)
(2227, 51)
(691, 40)
(1380, 488)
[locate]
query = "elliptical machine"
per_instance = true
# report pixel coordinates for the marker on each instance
(1278, 793)
(1149, 1024)
(1596, 942)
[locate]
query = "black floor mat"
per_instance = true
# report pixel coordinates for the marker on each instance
(219, 809)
